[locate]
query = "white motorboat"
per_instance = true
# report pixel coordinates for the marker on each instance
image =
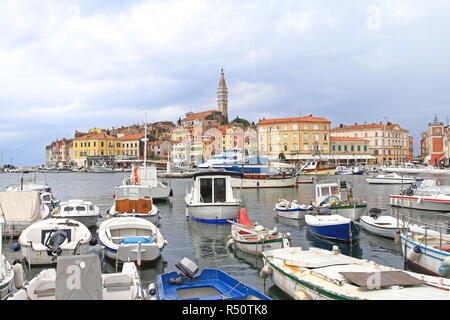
(83, 211)
(390, 178)
(338, 197)
(291, 210)
(44, 241)
(6, 270)
(56, 284)
(381, 225)
(131, 239)
(320, 167)
(21, 209)
(136, 201)
(322, 274)
(103, 168)
(211, 198)
(428, 196)
(255, 239)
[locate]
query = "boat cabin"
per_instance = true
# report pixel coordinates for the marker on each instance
(133, 198)
(213, 187)
(325, 191)
(76, 207)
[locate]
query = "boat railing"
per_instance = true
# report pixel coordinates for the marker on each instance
(437, 228)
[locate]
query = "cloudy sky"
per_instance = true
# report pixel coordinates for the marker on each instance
(69, 65)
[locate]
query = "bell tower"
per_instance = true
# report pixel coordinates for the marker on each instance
(222, 96)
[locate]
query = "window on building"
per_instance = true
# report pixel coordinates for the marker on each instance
(345, 148)
(359, 148)
(325, 137)
(305, 127)
(365, 148)
(339, 147)
(294, 127)
(334, 148)
(352, 148)
(305, 147)
(316, 127)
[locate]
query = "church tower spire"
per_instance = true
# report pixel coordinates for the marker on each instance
(222, 95)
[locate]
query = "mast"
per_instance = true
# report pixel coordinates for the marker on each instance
(145, 148)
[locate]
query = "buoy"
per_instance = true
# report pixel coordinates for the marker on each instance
(414, 253)
(152, 288)
(265, 271)
(18, 274)
(230, 242)
(301, 295)
(16, 246)
(397, 237)
(444, 269)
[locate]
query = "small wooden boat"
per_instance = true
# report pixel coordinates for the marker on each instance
(210, 284)
(56, 284)
(45, 241)
(291, 210)
(131, 239)
(255, 239)
(332, 226)
(384, 226)
(322, 274)
(134, 201)
(83, 211)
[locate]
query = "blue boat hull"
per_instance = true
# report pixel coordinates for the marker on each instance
(336, 232)
(223, 285)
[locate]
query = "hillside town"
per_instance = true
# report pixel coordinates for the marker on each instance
(198, 136)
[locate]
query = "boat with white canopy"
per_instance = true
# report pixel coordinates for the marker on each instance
(6, 270)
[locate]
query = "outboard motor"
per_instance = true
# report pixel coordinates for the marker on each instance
(373, 212)
(54, 241)
(188, 269)
(95, 248)
(409, 192)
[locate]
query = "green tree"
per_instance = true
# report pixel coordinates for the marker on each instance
(241, 120)
(281, 157)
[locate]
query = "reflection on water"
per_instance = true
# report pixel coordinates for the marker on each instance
(205, 244)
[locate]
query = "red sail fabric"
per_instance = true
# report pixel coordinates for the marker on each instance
(243, 218)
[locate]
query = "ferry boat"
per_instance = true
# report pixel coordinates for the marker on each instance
(210, 199)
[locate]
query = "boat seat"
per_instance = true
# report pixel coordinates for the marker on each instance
(445, 247)
(45, 289)
(118, 282)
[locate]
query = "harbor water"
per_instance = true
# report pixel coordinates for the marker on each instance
(206, 243)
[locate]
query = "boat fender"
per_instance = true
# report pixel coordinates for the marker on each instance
(187, 212)
(414, 253)
(301, 295)
(397, 237)
(444, 269)
(230, 242)
(152, 288)
(265, 271)
(286, 243)
(18, 274)
(259, 228)
(16, 247)
(165, 242)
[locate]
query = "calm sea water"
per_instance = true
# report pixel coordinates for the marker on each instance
(206, 243)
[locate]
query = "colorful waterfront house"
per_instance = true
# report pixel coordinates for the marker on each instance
(298, 138)
(216, 140)
(388, 142)
(95, 144)
(350, 150)
(132, 145)
(251, 140)
(179, 152)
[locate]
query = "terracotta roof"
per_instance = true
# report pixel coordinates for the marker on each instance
(347, 139)
(136, 136)
(95, 135)
(295, 119)
(199, 115)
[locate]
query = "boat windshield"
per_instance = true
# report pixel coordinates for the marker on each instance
(213, 190)
(219, 190)
(133, 193)
(206, 190)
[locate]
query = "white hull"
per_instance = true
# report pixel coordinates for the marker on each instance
(153, 216)
(7, 277)
(88, 220)
(160, 192)
(350, 212)
(429, 260)
(420, 202)
(384, 226)
(374, 180)
(263, 183)
(113, 231)
(291, 214)
(36, 253)
(213, 213)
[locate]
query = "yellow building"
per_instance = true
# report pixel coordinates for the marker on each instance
(95, 144)
(298, 138)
